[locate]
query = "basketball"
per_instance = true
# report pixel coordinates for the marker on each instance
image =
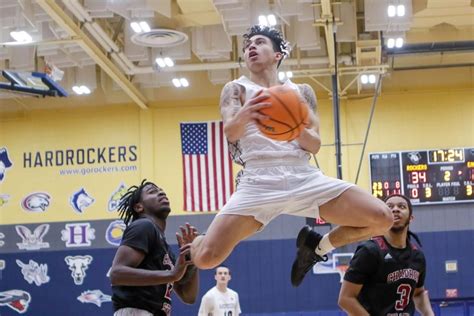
(287, 115)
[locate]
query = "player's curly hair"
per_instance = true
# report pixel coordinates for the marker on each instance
(128, 201)
(279, 43)
(410, 211)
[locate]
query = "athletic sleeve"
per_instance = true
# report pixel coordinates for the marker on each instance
(362, 265)
(140, 234)
(206, 307)
(421, 279)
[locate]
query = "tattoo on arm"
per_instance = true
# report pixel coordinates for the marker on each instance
(309, 96)
(230, 100)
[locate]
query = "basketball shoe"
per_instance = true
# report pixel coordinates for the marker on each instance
(306, 257)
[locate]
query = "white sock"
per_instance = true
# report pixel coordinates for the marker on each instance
(324, 246)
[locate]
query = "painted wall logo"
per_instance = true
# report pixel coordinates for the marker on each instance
(5, 162)
(114, 200)
(94, 297)
(36, 202)
(2, 235)
(18, 300)
(34, 272)
(78, 235)
(80, 200)
(80, 156)
(4, 198)
(78, 266)
(32, 240)
(114, 232)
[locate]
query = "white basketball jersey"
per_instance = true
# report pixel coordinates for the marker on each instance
(253, 145)
(217, 303)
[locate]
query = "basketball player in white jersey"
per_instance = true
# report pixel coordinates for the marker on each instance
(220, 300)
(277, 177)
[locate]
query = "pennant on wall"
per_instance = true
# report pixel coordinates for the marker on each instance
(207, 166)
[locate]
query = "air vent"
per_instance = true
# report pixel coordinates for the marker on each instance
(159, 38)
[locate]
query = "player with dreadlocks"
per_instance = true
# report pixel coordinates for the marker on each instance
(144, 271)
(277, 177)
(387, 273)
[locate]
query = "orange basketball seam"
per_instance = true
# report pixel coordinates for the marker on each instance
(284, 105)
(272, 127)
(290, 130)
(282, 123)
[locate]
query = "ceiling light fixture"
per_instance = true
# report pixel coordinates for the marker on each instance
(164, 62)
(181, 82)
(399, 42)
(81, 90)
(21, 36)
(364, 79)
(160, 62)
(140, 27)
(176, 82)
(391, 11)
(271, 20)
(372, 78)
(184, 82)
(282, 75)
(268, 20)
(401, 10)
(145, 27)
(169, 62)
(368, 79)
(393, 42)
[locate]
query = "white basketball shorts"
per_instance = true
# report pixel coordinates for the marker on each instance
(268, 188)
(129, 311)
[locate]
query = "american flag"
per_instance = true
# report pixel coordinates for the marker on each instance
(207, 166)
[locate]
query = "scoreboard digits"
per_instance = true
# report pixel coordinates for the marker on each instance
(425, 176)
(386, 178)
(446, 155)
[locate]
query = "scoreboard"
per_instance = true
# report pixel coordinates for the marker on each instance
(425, 176)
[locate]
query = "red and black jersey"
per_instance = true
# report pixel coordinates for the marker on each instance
(389, 276)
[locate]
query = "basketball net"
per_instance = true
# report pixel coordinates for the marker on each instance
(342, 270)
(53, 72)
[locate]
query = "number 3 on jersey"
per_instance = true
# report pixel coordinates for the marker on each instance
(404, 290)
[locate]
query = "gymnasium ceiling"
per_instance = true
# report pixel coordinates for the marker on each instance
(91, 41)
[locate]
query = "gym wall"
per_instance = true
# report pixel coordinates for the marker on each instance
(148, 144)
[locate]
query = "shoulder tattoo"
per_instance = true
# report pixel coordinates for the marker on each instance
(308, 95)
(230, 97)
